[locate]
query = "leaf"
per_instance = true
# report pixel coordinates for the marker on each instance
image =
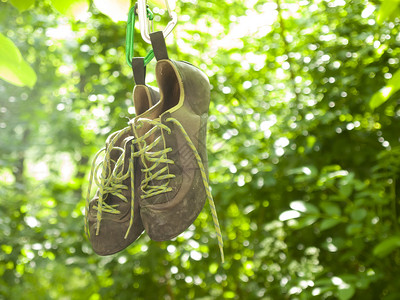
(346, 292)
(328, 223)
(159, 3)
(13, 68)
(387, 246)
(117, 10)
(359, 214)
(386, 10)
(380, 97)
(346, 190)
(229, 295)
(306, 170)
(331, 209)
(302, 222)
(354, 229)
(304, 207)
(162, 4)
(22, 5)
(323, 281)
(386, 92)
(71, 8)
(303, 174)
(288, 215)
(311, 141)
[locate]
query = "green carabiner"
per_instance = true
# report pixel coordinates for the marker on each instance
(130, 32)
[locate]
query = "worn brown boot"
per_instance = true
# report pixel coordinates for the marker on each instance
(113, 216)
(171, 139)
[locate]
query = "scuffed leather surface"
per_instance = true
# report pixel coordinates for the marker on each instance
(167, 215)
(111, 237)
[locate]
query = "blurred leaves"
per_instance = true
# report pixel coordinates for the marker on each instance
(389, 9)
(305, 175)
(387, 246)
(71, 8)
(161, 3)
(117, 10)
(22, 5)
(13, 68)
(386, 92)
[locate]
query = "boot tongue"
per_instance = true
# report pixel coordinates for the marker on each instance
(112, 143)
(144, 97)
(151, 114)
(141, 99)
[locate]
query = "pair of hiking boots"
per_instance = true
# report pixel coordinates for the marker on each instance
(153, 175)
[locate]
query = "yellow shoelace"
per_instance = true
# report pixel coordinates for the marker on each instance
(159, 157)
(154, 159)
(110, 181)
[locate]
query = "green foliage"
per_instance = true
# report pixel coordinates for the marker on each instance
(116, 10)
(22, 5)
(387, 246)
(304, 154)
(13, 68)
(72, 8)
(389, 9)
(384, 93)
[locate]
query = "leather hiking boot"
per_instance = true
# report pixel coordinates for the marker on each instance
(171, 138)
(113, 220)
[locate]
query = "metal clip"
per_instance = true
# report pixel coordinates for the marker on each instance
(144, 23)
(130, 32)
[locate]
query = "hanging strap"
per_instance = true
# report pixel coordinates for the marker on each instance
(139, 70)
(158, 43)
